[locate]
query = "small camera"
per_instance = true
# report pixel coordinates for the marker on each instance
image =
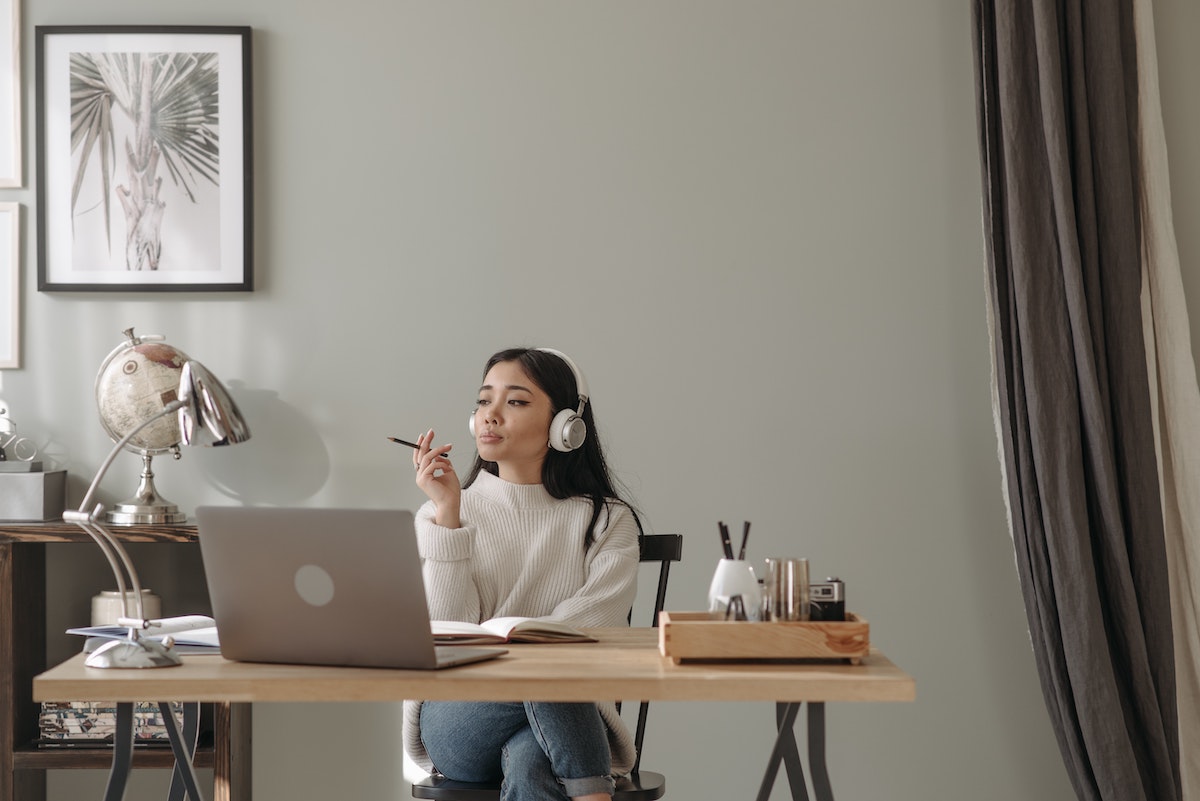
(827, 601)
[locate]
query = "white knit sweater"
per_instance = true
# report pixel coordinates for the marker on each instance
(520, 552)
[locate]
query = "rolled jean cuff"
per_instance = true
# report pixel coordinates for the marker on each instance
(588, 785)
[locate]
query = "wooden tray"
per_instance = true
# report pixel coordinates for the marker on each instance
(697, 636)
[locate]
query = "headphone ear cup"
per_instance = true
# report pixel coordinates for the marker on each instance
(567, 431)
(471, 425)
(575, 432)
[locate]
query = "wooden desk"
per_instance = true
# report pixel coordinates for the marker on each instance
(23, 655)
(625, 663)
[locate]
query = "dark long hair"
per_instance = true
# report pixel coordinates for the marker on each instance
(581, 473)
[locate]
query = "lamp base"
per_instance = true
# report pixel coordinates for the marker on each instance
(139, 653)
(140, 514)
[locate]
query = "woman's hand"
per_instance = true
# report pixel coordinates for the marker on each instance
(437, 479)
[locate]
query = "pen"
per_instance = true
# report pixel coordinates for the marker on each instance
(725, 543)
(745, 536)
(412, 445)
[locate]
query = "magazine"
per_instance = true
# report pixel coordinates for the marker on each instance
(194, 631)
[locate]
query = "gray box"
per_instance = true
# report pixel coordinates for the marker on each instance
(30, 497)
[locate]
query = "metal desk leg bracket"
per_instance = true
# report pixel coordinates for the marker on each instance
(786, 752)
(122, 761)
(184, 751)
(183, 744)
(191, 733)
(816, 753)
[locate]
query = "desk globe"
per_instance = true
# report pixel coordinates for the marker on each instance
(134, 383)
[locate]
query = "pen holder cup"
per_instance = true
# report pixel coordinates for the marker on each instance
(734, 578)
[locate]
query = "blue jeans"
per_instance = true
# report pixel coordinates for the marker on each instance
(537, 751)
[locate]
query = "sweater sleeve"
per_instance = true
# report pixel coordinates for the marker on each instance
(447, 567)
(611, 583)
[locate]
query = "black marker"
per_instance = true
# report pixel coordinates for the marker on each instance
(726, 545)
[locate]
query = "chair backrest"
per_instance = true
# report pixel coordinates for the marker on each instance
(664, 549)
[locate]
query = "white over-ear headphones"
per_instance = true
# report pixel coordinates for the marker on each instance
(567, 429)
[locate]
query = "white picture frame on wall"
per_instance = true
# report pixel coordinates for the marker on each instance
(10, 94)
(10, 285)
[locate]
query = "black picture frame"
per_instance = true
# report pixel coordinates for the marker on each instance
(144, 191)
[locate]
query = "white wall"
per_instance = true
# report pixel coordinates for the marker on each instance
(755, 225)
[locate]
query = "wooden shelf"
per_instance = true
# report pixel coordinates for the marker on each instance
(58, 531)
(34, 758)
(23, 766)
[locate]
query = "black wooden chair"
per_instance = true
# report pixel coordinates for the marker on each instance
(639, 785)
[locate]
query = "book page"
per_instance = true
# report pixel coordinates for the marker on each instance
(506, 629)
(524, 629)
(460, 633)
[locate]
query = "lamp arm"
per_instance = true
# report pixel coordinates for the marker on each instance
(88, 519)
(173, 406)
(117, 557)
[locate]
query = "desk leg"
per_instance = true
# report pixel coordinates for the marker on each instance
(787, 753)
(191, 732)
(183, 753)
(816, 752)
(791, 752)
(122, 759)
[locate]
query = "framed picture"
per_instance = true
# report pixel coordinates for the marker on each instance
(10, 285)
(144, 159)
(10, 93)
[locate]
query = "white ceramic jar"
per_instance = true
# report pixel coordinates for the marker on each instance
(106, 607)
(734, 577)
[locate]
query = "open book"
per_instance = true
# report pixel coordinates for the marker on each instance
(506, 629)
(197, 632)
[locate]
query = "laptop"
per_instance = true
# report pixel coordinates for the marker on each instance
(321, 587)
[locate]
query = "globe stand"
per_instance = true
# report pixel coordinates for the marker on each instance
(146, 507)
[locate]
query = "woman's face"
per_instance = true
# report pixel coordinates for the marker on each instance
(512, 422)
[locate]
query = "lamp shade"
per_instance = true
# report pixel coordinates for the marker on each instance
(209, 416)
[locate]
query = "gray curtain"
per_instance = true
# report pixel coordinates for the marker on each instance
(1057, 108)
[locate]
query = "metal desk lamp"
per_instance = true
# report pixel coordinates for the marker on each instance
(207, 416)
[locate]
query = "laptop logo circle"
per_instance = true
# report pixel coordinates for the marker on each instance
(314, 585)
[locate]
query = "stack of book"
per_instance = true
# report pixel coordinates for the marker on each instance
(67, 724)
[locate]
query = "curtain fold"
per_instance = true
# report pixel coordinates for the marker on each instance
(1057, 90)
(1171, 368)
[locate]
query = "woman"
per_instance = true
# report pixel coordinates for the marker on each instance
(535, 530)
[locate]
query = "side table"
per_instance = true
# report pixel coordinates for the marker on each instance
(23, 655)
